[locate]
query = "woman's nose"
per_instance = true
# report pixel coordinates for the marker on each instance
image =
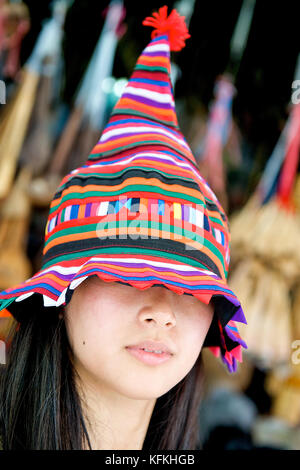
(159, 312)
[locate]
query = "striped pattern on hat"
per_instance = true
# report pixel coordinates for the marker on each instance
(145, 114)
(139, 212)
(143, 219)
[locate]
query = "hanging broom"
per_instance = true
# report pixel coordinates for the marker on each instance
(243, 223)
(296, 311)
(37, 145)
(270, 236)
(15, 210)
(284, 384)
(284, 387)
(275, 332)
(87, 117)
(15, 267)
(220, 117)
(16, 116)
(47, 59)
(16, 14)
(13, 127)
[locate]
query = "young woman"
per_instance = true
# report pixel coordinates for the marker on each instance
(106, 352)
(118, 368)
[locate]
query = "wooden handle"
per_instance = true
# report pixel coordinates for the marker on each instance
(65, 143)
(14, 130)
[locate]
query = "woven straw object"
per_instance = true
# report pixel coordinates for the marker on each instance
(14, 225)
(284, 386)
(266, 269)
(13, 128)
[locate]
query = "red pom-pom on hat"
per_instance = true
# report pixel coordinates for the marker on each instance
(173, 25)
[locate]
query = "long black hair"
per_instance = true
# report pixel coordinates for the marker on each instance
(40, 408)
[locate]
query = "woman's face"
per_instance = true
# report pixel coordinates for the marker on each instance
(110, 325)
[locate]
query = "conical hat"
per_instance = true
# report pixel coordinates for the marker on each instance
(138, 211)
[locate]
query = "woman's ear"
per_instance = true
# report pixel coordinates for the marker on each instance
(61, 314)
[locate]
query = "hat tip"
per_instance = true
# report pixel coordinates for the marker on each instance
(173, 25)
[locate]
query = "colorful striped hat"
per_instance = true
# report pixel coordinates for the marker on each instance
(138, 211)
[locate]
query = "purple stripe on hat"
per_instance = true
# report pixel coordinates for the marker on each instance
(148, 101)
(132, 134)
(185, 212)
(90, 264)
(144, 265)
(233, 300)
(157, 159)
(152, 158)
(65, 277)
(140, 122)
(156, 54)
(228, 365)
(88, 209)
(239, 316)
(237, 339)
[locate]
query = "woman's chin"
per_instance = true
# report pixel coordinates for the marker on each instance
(139, 391)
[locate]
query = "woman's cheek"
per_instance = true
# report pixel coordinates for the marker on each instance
(193, 338)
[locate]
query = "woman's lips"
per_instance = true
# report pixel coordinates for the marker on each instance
(150, 352)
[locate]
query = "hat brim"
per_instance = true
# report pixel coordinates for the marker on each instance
(55, 286)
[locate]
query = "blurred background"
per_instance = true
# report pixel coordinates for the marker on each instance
(63, 66)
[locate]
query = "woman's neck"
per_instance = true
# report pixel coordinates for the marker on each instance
(114, 421)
